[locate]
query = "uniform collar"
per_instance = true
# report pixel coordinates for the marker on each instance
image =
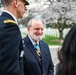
(11, 15)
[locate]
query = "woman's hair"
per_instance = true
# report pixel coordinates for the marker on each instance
(67, 55)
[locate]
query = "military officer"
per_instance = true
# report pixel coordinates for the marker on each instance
(11, 46)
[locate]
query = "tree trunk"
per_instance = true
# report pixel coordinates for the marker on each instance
(60, 34)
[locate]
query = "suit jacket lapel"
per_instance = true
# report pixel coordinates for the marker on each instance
(42, 53)
(32, 49)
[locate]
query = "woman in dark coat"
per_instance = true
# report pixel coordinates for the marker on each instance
(67, 55)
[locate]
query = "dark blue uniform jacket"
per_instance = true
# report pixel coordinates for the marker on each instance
(10, 46)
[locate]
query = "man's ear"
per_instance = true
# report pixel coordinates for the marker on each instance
(15, 2)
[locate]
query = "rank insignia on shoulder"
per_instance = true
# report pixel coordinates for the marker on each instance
(10, 21)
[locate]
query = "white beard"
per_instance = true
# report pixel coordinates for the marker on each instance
(37, 38)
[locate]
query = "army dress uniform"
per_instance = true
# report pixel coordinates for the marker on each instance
(10, 46)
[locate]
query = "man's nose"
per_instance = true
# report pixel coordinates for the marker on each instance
(25, 8)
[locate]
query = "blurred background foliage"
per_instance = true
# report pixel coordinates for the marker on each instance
(55, 14)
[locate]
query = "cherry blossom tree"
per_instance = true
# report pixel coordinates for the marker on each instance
(60, 15)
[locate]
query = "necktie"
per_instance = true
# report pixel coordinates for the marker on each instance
(36, 46)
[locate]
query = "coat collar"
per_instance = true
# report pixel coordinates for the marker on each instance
(11, 15)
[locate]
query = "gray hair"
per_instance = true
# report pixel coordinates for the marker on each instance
(34, 19)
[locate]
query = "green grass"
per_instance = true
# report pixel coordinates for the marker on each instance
(51, 40)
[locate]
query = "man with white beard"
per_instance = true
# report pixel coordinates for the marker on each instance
(37, 57)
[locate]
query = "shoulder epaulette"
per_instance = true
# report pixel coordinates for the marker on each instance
(10, 21)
